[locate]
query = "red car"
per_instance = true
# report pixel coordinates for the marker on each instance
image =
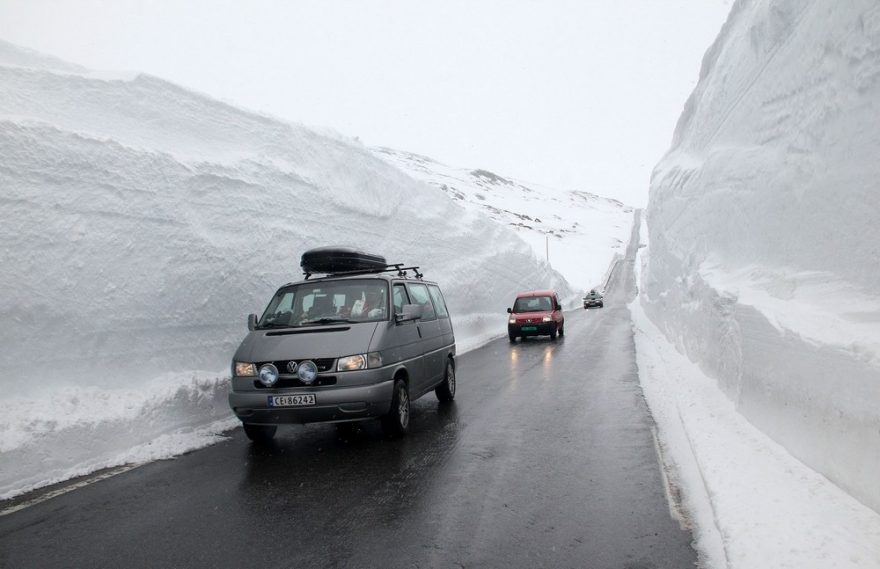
(536, 313)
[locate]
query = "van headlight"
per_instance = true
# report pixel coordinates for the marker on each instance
(244, 369)
(351, 363)
(359, 361)
(512, 321)
(548, 318)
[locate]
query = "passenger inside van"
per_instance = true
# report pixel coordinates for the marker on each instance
(373, 306)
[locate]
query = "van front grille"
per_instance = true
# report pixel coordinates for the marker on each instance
(285, 382)
(287, 379)
(324, 364)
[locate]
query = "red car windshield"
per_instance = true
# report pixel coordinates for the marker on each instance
(533, 304)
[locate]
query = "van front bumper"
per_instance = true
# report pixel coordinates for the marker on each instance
(332, 404)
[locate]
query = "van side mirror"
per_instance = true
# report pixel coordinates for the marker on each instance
(510, 310)
(252, 322)
(410, 312)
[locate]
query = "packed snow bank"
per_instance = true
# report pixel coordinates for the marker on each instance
(143, 218)
(74, 430)
(143, 222)
(749, 502)
(763, 229)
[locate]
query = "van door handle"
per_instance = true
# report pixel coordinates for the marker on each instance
(419, 329)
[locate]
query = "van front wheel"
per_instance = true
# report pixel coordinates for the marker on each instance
(396, 422)
(446, 391)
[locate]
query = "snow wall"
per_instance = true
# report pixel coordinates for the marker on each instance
(764, 224)
(141, 224)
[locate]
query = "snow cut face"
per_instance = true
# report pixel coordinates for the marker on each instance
(144, 217)
(143, 222)
(763, 227)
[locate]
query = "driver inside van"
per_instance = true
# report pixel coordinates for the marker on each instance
(323, 306)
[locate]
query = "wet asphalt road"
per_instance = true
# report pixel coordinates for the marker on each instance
(545, 459)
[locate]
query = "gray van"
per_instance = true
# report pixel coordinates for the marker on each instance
(361, 341)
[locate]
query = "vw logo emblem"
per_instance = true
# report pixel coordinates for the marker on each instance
(291, 366)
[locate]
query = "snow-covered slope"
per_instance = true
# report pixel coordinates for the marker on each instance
(143, 222)
(12, 55)
(764, 225)
(576, 229)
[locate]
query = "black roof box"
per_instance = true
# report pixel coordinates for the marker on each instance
(337, 259)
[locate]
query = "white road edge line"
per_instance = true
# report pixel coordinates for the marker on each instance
(70, 488)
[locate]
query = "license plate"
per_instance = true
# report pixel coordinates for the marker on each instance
(529, 328)
(292, 400)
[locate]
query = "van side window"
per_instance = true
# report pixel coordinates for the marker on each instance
(400, 298)
(420, 296)
(439, 303)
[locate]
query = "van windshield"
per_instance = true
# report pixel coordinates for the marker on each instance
(327, 302)
(533, 304)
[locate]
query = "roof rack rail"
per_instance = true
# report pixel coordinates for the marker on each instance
(395, 268)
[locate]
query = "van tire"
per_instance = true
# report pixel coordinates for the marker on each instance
(445, 392)
(562, 331)
(259, 434)
(396, 422)
(512, 337)
(553, 333)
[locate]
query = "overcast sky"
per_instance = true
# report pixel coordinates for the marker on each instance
(572, 94)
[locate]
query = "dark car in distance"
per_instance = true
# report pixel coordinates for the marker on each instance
(594, 298)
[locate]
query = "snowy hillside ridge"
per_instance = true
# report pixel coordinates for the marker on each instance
(143, 222)
(577, 228)
(14, 56)
(763, 228)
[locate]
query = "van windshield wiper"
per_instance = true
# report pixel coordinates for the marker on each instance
(273, 325)
(327, 320)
